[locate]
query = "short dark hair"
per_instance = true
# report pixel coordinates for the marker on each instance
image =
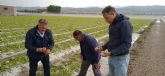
(108, 9)
(44, 21)
(77, 32)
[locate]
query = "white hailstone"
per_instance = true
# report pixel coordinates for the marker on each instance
(7, 61)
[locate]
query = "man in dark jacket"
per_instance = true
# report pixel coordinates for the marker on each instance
(120, 38)
(39, 43)
(88, 54)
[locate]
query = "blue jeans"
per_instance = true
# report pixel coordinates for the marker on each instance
(118, 65)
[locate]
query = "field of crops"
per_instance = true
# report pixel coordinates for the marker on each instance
(14, 28)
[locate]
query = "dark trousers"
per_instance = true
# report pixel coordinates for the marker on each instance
(84, 69)
(33, 64)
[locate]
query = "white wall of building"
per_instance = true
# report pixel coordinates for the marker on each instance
(8, 10)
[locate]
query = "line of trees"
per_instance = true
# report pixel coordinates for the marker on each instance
(54, 9)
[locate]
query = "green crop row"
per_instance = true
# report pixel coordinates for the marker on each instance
(16, 47)
(12, 36)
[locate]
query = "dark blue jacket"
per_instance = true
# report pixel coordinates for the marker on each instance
(120, 36)
(88, 52)
(34, 40)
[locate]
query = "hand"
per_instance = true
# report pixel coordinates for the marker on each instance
(47, 52)
(106, 53)
(97, 66)
(39, 50)
(44, 49)
(98, 49)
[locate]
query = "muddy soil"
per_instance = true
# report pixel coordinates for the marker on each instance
(148, 57)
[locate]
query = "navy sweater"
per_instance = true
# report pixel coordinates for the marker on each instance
(34, 40)
(88, 52)
(120, 36)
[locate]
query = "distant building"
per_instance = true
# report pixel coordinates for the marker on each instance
(8, 10)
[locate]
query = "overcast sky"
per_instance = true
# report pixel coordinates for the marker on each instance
(82, 3)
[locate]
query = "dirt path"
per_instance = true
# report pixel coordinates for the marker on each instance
(151, 56)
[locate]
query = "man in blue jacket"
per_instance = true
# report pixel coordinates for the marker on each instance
(39, 43)
(88, 54)
(120, 38)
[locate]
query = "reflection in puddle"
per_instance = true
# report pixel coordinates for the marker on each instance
(157, 21)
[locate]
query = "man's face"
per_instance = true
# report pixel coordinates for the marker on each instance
(42, 27)
(109, 17)
(78, 37)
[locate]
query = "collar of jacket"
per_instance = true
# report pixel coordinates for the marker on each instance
(36, 28)
(119, 18)
(84, 38)
(116, 19)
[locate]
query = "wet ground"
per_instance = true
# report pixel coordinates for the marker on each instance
(150, 60)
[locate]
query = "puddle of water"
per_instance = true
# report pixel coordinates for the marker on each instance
(163, 19)
(157, 21)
